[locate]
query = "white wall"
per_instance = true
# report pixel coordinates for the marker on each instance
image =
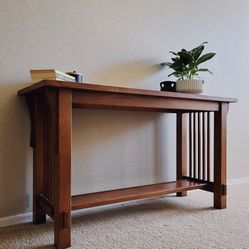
(120, 43)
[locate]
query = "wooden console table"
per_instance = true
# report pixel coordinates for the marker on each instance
(50, 104)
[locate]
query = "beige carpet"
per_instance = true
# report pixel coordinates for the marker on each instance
(170, 222)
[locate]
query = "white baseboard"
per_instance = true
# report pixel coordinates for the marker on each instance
(15, 219)
(238, 181)
(24, 218)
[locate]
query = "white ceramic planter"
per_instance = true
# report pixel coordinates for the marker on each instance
(189, 86)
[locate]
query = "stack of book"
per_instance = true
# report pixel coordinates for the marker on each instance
(50, 74)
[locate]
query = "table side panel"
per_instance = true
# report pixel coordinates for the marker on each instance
(120, 101)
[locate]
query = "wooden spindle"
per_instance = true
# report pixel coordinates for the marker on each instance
(203, 146)
(199, 145)
(190, 145)
(194, 144)
(208, 146)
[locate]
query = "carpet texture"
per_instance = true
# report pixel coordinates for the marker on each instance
(170, 223)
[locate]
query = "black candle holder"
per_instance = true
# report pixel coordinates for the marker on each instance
(169, 86)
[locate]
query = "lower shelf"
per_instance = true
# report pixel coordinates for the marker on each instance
(134, 193)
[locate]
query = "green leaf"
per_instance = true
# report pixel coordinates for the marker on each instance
(204, 58)
(185, 57)
(163, 64)
(198, 52)
(174, 53)
(204, 70)
(177, 65)
(174, 73)
(202, 44)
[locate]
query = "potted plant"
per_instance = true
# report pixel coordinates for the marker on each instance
(186, 66)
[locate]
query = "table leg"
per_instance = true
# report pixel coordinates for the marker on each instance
(60, 126)
(181, 148)
(220, 130)
(62, 185)
(36, 109)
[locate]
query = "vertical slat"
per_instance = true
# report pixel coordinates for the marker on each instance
(190, 145)
(208, 146)
(194, 143)
(203, 146)
(181, 147)
(199, 145)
